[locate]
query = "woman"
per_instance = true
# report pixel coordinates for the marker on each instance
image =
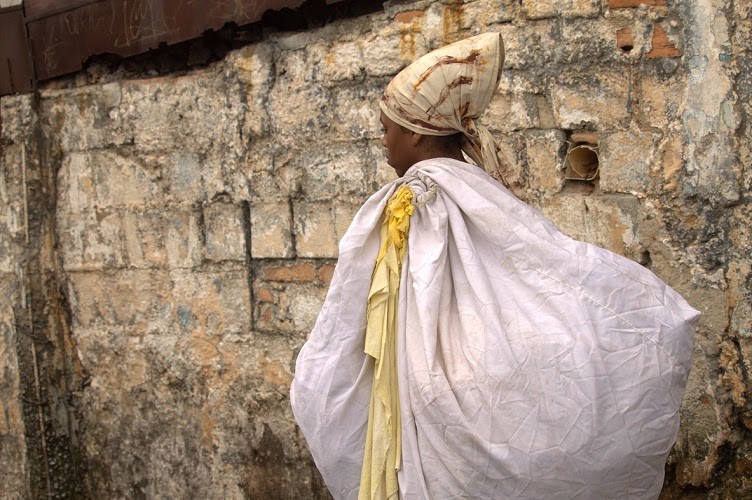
(466, 347)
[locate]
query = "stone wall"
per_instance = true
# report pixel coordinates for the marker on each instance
(13, 461)
(167, 241)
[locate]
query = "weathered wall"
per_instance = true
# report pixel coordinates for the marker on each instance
(175, 245)
(13, 462)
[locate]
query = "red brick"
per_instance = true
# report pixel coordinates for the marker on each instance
(264, 295)
(624, 39)
(408, 16)
(661, 47)
(299, 271)
(326, 272)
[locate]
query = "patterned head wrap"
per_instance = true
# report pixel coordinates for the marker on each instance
(443, 92)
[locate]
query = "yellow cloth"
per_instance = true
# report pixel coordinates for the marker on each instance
(383, 452)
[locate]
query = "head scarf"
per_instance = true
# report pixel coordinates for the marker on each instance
(446, 90)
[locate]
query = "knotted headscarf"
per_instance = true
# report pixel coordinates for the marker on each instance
(446, 90)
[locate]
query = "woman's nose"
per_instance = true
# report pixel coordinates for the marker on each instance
(383, 141)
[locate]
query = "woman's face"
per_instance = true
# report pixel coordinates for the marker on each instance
(400, 152)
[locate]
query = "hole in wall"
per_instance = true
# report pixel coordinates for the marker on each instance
(582, 163)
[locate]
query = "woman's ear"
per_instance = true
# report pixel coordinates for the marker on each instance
(415, 138)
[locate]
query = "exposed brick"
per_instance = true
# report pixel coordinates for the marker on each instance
(625, 4)
(408, 16)
(264, 295)
(326, 272)
(661, 46)
(299, 271)
(625, 39)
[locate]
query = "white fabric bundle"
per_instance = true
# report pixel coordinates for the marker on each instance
(530, 365)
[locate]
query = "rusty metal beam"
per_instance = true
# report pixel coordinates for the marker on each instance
(15, 68)
(61, 43)
(50, 38)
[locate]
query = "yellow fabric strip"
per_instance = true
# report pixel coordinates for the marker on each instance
(383, 453)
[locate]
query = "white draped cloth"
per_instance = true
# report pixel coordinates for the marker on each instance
(530, 365)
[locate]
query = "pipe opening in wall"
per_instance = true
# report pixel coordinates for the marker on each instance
(582, 163)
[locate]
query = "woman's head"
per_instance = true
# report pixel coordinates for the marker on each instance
(442, 93)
